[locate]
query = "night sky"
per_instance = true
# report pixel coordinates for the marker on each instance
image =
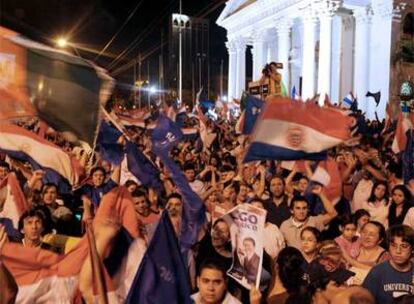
(92, 23)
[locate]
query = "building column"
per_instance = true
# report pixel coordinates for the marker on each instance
(380, 53)
(337, 25)
(308, 61)
(284, 44)
(272, 46)
(259, 55)
(231, 90)
(240, 44)
(272, 54)
(325, 55)
(361, 71)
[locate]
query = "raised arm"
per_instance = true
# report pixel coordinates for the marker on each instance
(262, 181)
(327, 204)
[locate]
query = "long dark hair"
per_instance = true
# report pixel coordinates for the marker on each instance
(393, 219)
(291, 272)
(294, 278)
(372, 197)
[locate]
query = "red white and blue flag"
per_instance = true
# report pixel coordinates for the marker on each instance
(291, 130)
(327, 173)
(46, 277)
(14, 200)
(22, 144)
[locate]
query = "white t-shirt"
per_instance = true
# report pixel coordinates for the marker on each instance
(362, 193)
(273, 240)
(378, 212)
(409, 218)
(197, 186)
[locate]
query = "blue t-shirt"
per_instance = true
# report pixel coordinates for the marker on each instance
(386, 283)
(95, 194)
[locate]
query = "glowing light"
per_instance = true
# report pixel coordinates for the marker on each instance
(153, 90)
(40, 86)
(224, 97)
(62, 42)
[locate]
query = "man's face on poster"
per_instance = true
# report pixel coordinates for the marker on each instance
(248, 247)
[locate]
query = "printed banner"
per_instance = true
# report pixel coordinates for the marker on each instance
(246, 224)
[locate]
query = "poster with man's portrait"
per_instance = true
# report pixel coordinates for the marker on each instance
(246, 224)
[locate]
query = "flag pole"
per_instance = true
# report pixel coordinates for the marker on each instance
(116, 124)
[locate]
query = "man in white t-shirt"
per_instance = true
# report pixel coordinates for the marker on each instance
(196, 185)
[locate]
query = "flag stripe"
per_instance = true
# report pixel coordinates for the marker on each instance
(313, 140)
(16, 139)
(260, 151)
(307, 114)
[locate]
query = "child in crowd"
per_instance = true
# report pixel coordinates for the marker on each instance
(348, 241)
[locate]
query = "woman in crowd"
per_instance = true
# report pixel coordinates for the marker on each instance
(371, 251)
(289, 276)
(310, 238)
(348, 241)
(378, 203)
(361, 217)
(400, 205)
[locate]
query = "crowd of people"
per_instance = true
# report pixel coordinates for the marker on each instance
(354, 249)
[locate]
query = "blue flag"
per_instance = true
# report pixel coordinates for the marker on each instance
(193, 216)
(207, 105)
(162, 276)
(141, 167)
(293, 94)
(348, 101)
(253, 108)
(166, 134)
(107, 146)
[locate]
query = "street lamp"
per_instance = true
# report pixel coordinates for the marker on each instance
(62, 42)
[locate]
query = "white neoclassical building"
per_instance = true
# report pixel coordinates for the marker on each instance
(326, 46)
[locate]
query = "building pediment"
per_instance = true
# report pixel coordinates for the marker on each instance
(240, 12)
(232, 7)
